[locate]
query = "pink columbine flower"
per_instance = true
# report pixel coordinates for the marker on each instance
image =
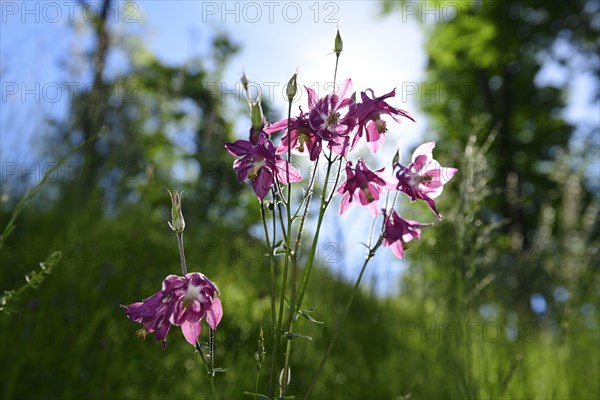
(399, 231)
(424, 178)
(182, 301)
(369, 114)
(303, 139)
(332, 117)
(260, 165)
(362, 186)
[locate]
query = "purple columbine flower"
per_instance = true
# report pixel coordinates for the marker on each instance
(182, 301)
(424, 178)
(362, 186)
(260, 165)
(303, 139)
(369, 114)
(399, 231)
(332, 117)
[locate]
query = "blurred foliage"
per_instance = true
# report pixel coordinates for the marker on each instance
(462, 326)
(518, 247)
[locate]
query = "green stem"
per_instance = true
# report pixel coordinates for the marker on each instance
(212, 363)
(210, 372)
(337, 59)
(288, 351)
(271, 260)
(313, 247)
(368, 258)
(181, 253)
(211, 340)
(213, 390)
(256, 384)
(288, 255)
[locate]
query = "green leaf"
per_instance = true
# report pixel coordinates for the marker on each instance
(305, 314)
(292, 335)
(257, 395)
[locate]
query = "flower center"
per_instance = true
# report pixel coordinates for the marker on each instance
(332, 119)
(256, 166)
(191, 293)
(302, 139)
(416, 179)
(381, 128)
(367, 193)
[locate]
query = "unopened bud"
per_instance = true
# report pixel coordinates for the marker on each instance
(338, 44)
(292, 88)
(256, 115)
(245, 82)
(177, 223)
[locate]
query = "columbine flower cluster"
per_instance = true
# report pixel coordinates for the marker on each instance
(335, 123)
(332, 125)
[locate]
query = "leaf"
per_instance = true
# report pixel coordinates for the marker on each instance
(257, 395)
(305, 314)
(298, 335)
(396, 158)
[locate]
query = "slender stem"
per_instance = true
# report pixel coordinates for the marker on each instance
(256, 384)
(286, 365)
(337, 178)
(309, 194)
(283, 228)
(213, 390)
(209, 370)
(277, 194)
(211, 340)
(337, 59)
(288, 254)
(271, 261)
(368, 258)
(313, 247)
(181, 253)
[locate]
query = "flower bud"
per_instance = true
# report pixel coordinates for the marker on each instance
(177, 223)
(338, 44)
(245, 82)
(292, 88)
(256, 115)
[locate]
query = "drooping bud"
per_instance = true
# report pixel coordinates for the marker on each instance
(292, 88)
(177, 223)
(338, 44)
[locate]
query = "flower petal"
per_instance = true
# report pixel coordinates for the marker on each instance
(239, 147)
(215, 313)
(191, 331)
(263, 183)
(282, 172)
(278, 126)
(425, 149)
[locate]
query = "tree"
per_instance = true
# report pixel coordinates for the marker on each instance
(520, 240)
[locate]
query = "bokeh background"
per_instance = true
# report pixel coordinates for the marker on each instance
(498, 300)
